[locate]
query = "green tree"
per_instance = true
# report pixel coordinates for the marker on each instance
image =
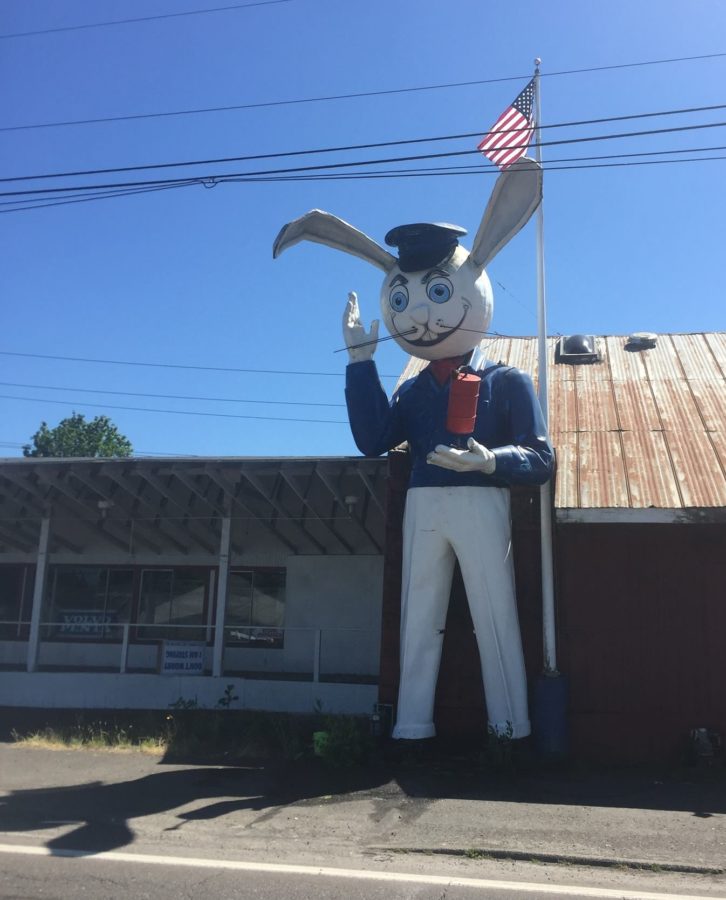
(75, 436)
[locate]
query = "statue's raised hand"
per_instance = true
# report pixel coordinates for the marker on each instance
(361, 344)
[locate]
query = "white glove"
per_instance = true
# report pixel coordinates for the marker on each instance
(361, 344)
(476, 459)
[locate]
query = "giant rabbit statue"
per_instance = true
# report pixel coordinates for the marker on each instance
(436, 301)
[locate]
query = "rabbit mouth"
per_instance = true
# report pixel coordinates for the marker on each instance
(430, 338)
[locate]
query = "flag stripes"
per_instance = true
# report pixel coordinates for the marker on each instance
(510, 135)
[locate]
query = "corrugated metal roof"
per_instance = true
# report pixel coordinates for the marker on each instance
(641, 429)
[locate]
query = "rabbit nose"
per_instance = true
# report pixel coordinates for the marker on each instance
(420, 314)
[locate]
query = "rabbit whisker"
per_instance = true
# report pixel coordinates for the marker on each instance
(386, 337)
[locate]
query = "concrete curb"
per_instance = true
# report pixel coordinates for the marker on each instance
(609, 862)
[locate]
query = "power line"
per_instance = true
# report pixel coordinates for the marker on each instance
(32, 203)
(49, 387)
(38, 203)
(191, 12)
(174, 412)
(349, 147)
(359, 94)
(159, 365)
(211, 180)
(84, 198)
(464, 170)
(479, 170)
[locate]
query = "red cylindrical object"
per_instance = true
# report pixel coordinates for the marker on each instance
(463, 398)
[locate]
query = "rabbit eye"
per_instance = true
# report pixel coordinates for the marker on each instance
(439, 290)
(398, 298)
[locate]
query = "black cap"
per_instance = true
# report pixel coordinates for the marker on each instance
(424, 245)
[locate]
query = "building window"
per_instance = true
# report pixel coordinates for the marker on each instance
(16, 585)
(172, 604)
(88, 602)
(256, 607)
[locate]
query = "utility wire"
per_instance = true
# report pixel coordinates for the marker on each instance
(445, 170)
(38, 202)
(32, 203)
(332, 97)
(217, 179)
(49, 387)
(95, 195)
(349, 147)
(174, 412)
(159, 365)
(191, 12)
(102, 193)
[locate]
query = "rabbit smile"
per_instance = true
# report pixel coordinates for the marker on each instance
(429, 337)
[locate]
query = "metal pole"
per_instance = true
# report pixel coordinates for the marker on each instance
(125, 648)
(40, 570)
(224, 543)
(549, 639)
(316, 656)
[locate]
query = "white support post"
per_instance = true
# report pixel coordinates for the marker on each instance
(224, 545)
(40, 571)
(316, 656)
(549, 640)
(125, 648)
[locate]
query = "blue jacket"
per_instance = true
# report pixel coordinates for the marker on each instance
(509, 422)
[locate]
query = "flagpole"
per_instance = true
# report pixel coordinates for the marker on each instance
(549, 639)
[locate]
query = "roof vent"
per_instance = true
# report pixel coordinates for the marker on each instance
(577, 349)
(641, 340)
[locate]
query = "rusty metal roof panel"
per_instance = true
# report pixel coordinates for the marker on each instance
(695, 357)
(637, 410)
(523, 355)
(595, 405)
(718, 440)
(563, 405)
(662, 363)
(601, 470)
(624, 365)
(566, 487)
(698, 468)
(676, 406)
(717, 345)
(710, 398)
(650, 471)
(498, 349)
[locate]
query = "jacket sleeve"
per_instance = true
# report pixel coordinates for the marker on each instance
(529, 458)
(376, 424)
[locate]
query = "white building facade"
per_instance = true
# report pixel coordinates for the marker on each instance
(134, 583)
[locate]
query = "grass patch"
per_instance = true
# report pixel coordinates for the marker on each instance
(50, 739)
(97, 734)
(184, 734)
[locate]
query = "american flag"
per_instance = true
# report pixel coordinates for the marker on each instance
(510, 135)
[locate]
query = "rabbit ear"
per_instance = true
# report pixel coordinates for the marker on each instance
(516, 195)
(324, 228)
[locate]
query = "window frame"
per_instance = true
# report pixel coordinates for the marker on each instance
(139, 627)
(277, 642)
(49, 599)
(21, 625)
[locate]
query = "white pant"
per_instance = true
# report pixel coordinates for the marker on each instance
(471, 524)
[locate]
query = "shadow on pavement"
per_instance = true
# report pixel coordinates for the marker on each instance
(103, 810)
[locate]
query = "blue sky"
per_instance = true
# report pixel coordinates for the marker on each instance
(186, 276)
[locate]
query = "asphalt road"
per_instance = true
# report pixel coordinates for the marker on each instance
(27, 876)
(99, 825)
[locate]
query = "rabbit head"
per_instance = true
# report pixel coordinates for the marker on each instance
(436, 299)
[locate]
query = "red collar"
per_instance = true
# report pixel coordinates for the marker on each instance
(441, 369)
